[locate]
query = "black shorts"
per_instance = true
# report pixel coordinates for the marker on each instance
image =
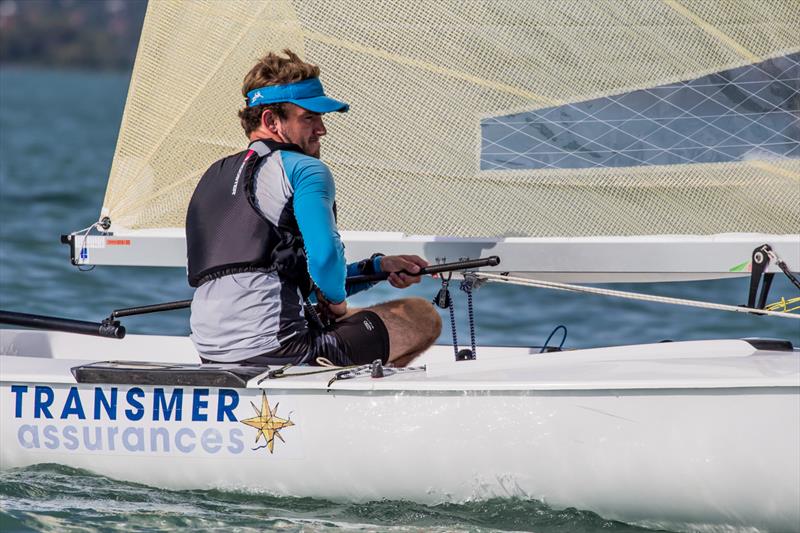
(358, 339)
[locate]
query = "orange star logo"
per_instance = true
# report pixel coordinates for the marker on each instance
(267, 422)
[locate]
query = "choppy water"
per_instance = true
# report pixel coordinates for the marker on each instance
(57, 498)
(57, 136)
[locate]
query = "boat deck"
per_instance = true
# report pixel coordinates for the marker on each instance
(37, 356)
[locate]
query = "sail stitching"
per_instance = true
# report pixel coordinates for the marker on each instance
(397, 58)
(353, 46)
(734, 46)
(774, 169)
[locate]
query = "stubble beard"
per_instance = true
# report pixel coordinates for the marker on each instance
(305, 149)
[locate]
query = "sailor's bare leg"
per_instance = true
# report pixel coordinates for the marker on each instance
(405, 360)
(413, 325)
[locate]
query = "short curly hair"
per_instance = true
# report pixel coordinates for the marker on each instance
(272, 69)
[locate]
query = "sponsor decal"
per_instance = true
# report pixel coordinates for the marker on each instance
(131, 419)
(118, 242)
(268, 423)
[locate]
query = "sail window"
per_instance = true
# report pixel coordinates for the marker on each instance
(732, 115)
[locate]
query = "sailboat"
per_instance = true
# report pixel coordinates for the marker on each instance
(604, 141)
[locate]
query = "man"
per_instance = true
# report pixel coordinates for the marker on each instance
(262, 238)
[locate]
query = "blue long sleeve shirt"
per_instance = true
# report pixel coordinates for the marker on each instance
(313, 200)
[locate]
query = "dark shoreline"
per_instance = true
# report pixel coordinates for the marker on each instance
(66, 69)
(63, 34)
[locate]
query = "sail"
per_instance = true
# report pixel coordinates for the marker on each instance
(543, 118)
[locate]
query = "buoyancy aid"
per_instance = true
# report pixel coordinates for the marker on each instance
(225, 231)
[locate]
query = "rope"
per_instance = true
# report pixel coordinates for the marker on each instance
(563, 339)
(366, 370)
(326, 365)
(453, 327)
(782, 265)
(83, 252)
(445, 301)
(784, 305)
(466, 286)
(629, 295)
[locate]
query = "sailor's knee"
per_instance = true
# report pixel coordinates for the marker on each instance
(435, 323)
(426, 318)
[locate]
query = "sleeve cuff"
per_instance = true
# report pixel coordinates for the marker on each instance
(376, 263)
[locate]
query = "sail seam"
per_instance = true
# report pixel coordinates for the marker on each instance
(732, 44)
(397, 58)
(774, 169)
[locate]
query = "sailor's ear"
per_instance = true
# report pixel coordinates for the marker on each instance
(268, 120)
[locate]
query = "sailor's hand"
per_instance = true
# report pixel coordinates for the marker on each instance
(336, 310)
(329, 310)
(396, 263)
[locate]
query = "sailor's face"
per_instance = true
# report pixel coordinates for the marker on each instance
(303, 128)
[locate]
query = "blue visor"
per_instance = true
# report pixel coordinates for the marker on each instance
(307, 94)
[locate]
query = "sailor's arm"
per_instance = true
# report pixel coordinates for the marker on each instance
(364, 267)
(314, 194)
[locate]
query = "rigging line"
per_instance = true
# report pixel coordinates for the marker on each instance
(189, 102)
(425, 65)
(784, 304)
(629, 295)
(728, 41)
(774, 169)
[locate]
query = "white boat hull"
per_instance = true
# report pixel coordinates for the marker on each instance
(721, 449)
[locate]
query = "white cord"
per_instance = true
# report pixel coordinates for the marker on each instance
(83, 248)
(629, 295)
(99, 225)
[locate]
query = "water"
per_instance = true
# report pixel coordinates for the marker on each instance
(53, 498)
(57, 136)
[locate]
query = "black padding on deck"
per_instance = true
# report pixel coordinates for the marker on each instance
(777, 345)
(138, 373)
